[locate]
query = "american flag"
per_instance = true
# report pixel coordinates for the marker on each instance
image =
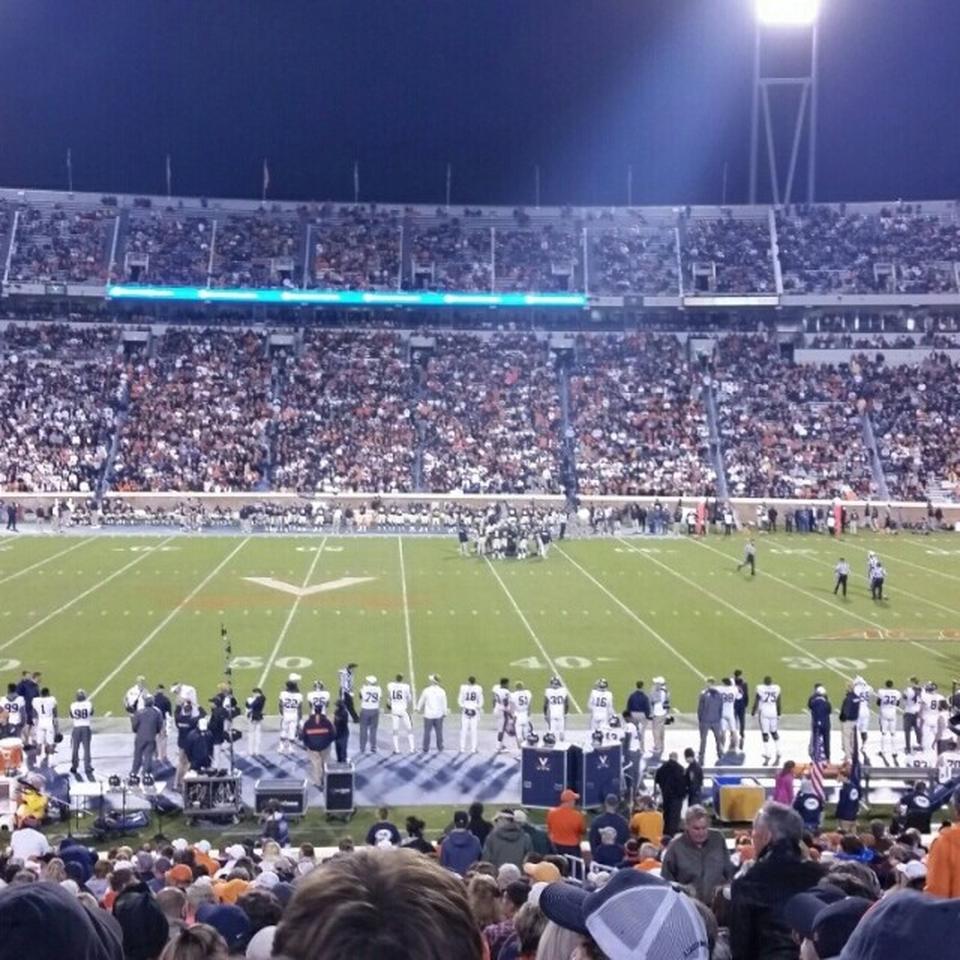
(816, 770)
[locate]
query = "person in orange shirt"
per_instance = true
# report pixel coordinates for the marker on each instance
(647, 822)
(566, 825)
(943, 861)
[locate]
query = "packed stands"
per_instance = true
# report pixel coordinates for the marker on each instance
(198, 415)
(258, 250)
(726, 254)
(490, 415)
(789, 430)
(176, 246)
(452, 255)
(57, 245)
(345, 421)
(356, 249)
(638, 257)
(637, 411)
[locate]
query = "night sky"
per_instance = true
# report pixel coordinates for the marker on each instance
(581, 87)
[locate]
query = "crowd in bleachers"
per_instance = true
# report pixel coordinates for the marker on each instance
(356, 250)
(738, 251)
(789, 430)
(830, 249)
(346, 419)
(902, 249)
(351, 411)
(639, 419)
(54, 245)
(490, 415)
(198, 411)
(177, 245)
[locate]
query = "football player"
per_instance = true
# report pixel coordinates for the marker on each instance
(520, 702)
(864, 693)
(291, 710)
(600, 705)
(45, 710)
(556, 706)
(15, 708)
(318, 698)
(888, 700)
(470, 701)
(399, 698)
(730, 694)
(767, 705)
(501, 707)
(254, 704)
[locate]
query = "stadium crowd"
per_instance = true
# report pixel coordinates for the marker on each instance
(638, 415)
(489, 411)
(638, 258)
(789, 430)
(737, 250)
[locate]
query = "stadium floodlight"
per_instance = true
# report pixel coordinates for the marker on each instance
(788, 13)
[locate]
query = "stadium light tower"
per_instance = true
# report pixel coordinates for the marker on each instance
(774, 19)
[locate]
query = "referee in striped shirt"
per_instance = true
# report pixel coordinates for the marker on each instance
(842, 570)
(346, 690)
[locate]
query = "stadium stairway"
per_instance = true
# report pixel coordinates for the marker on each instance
(716, 451)
(106, 474)
(568, 463)
(876, 464)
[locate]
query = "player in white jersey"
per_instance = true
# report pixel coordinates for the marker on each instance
(519, 717)
(929, 708)
(45, 711)
(873, 561)
(399, 698)
(319, 697)
(291, 709)
(767, 705)
(729, 693)
(864, 694)
(613, 731)
(81, 712)
(888, 701)
(948, 765)
(470, 702)
(600, 705)
(186, 692)
(556, 706)
(501, 708)
(133, 699)
(15, 708)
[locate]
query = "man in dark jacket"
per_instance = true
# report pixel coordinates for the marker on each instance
(479, 827)
(318, 735)
(638, 706)
(147, 726)
(671, 781)
(820, 709)
(341, 727)
(185, 719)
(199, 747)
(694, 775)
(609, 818)
(740, 704)
(849, 713)
(538, 836)
(758, 930)
(162, 702)
(710, 719)
(460, 847)
(506, 842)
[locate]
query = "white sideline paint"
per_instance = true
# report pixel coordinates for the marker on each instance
(666, 644)
(293, 612)
(80, 596)
(40, 563)
(149, 637)
(742, 613)
(406, 621)
(296, 591)
(531, 631)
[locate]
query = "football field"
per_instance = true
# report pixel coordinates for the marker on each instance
(94, 611)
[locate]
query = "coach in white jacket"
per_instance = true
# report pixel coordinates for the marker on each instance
(433, 705)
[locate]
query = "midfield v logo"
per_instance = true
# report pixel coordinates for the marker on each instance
(292, 588)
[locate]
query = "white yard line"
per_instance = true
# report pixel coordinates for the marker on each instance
(735, 609)
(40, 563)
(86, 593)
(290, 616)
(832, 605)
(634, 616)
(160, 626)
(531, 631)
(406, 620)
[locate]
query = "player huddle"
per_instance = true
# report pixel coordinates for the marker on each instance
(498, 534)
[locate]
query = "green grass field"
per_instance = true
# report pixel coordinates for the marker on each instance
(95, 611)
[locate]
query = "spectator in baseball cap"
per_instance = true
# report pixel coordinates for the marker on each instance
(43, 920)
(144, 925)
(823, 920)
(907, 924)
(634, 916)
(230, 921)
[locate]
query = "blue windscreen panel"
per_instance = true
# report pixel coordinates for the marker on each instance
(346, 298)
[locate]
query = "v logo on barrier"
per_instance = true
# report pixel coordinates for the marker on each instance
(291, 588)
